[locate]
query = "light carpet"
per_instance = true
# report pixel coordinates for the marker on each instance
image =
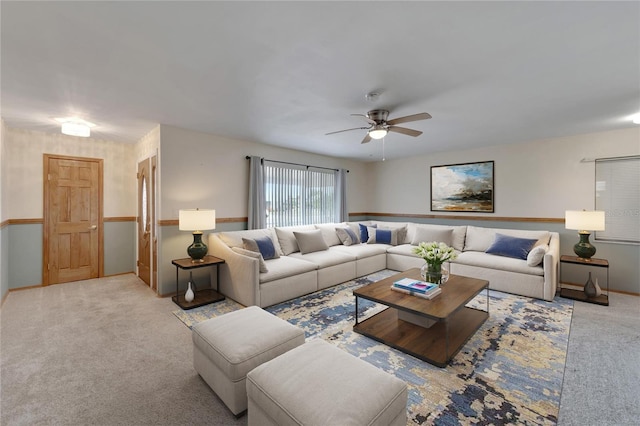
(510, 370)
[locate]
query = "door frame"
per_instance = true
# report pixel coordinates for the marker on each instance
(152, 170)
(46, 212)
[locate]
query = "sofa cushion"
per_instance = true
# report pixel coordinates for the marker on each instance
(329, 233)
(325, 258)
(505, 245)
(480, 239)
(347, 236)
(362, 251)
(234, 238)
(364, 233)
(383, 236)
(310, 241)
(536, 255)
(429, 234)
(250, 253)
(287, 240)
(263, 245)
(401, 226)
(500, 263)
(284, 267)
(458, 233)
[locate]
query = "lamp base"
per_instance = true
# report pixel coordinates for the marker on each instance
(583, 249)
(198, 250)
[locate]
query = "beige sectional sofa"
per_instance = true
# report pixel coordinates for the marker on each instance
(313, 257)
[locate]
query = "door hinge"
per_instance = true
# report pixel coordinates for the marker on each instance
(48, 266)
(49, 176)
(137, 175)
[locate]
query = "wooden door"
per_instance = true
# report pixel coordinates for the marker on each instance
(72, 219)
(145, 199)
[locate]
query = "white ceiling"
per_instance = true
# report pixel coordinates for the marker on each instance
(286, 73)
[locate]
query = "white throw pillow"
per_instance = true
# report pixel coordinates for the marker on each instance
(424, 234)
(310, 241)
(329, 233)
(535, 256)
(257, 255)
(384, 235)
(347, 236)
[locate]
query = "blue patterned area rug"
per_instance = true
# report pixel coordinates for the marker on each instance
(510, 370)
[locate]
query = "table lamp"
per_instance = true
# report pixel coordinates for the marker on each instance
(584, 222)
(197, 220)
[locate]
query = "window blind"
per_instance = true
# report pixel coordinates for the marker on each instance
(299, 195)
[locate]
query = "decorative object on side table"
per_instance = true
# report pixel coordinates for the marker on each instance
(592, 289)
(584, 222)
(189, 295)
(434, 255)
(197, 220)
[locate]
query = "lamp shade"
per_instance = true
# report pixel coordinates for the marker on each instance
(196, 220)
(582, 220)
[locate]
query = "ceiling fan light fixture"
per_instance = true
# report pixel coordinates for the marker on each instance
(378, 132)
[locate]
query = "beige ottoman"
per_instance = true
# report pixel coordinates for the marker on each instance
(319, 384)
(227, 347)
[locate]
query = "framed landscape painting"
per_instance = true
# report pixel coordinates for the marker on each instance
(462, 187)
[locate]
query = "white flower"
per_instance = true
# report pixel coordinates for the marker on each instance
(434, 252)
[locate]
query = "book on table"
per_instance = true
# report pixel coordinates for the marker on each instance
(416, 286)
(429, 295)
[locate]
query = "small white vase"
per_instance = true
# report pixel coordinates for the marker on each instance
(188, 296)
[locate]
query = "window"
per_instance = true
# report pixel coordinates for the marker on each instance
(618, 194)
(299, 195)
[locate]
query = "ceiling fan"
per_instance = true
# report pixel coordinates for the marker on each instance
(379, 126)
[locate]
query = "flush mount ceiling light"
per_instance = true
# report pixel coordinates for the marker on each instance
(74, 126)
(378, 132)
(635, 119)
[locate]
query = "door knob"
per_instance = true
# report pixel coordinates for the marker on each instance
(93, 227)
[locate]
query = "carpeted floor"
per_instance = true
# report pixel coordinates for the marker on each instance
(510, 371)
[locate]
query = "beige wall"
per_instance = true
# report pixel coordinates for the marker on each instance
(25, 150)
(4, 231)
(209, 171)
(3, 171)
(536, 179)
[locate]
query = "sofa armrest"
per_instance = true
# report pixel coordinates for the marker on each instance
(239, 275)
(551, 264)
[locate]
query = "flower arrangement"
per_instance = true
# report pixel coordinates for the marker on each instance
(435, 253)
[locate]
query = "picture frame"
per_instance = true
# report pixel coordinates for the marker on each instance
(464, 187)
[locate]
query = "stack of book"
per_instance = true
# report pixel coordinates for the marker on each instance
(417, 288)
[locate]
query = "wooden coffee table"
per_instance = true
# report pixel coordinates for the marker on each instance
(431, 330)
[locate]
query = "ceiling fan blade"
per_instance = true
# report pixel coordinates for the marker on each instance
(404, 131)
(366, 139)
(370, 121)
(347, 130)
(408, 118)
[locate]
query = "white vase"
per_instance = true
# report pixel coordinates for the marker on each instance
(189, 295)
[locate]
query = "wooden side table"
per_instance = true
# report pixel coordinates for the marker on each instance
(572, 293)
(203, 296)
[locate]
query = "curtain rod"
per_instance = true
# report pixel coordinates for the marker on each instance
(248, 157)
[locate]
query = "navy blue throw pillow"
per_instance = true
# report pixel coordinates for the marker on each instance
(264, 245)
(507, 246)
(364, 234)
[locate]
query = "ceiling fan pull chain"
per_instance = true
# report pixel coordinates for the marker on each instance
(383, 156)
